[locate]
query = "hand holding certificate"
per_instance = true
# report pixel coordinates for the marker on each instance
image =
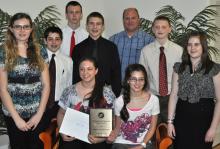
(79, 125)
(75, 124)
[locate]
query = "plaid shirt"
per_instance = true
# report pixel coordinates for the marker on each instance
(129, 49)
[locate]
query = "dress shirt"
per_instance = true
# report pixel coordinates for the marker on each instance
(150, 59)
(129, 48)
(108, 61)
(80, 35)
(64, 69)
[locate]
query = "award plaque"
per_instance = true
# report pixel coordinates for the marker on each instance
(100, 122)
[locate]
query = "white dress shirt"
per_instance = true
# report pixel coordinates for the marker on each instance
(64, 70)
(80, 35)
(150, 59)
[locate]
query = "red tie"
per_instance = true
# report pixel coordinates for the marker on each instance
(72, 44)
(163, 87)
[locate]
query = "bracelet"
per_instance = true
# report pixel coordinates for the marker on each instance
(169, 121)
(143, 145)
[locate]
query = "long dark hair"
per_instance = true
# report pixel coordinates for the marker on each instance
(126, 87)
(96, 100)
(205, 59)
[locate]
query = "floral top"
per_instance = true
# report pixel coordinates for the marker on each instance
(134, 130)
(25, 95)
(71, 99)
(198, 85)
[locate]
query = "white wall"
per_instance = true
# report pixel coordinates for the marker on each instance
(111, 9)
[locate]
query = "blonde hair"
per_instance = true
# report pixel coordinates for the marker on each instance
(11, 49)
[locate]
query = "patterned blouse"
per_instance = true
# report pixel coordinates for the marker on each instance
(24, 85)
(198, 85)
(71, 99)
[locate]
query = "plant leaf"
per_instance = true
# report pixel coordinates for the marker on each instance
(4, 21)
(46, 18)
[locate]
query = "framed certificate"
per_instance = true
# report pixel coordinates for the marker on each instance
(100, 122)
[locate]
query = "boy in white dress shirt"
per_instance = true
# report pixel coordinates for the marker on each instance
(150, 56)
(74, 16)
(63, 68)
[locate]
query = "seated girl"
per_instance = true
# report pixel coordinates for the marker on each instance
(136, 112)
(86, 94)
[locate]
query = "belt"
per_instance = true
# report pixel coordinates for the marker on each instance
(163, 96)
(22, 80)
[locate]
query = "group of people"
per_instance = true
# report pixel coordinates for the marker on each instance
(146, 80)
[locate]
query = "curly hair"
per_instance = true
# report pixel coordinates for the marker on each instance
(11, 48)
(126, 87)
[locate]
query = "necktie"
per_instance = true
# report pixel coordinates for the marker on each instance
(52, 72)
(163, 86)
(72, 44)
(95, 50)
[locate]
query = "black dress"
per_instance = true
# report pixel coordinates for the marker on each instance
(195, 107)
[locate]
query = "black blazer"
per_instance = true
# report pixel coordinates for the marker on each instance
(108, 61)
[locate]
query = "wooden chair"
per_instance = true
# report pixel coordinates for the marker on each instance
(163, 141)
(50, 136)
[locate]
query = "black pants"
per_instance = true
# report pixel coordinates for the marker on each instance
(50, 113)
(24, 140)
(126, 146)
(163, 100)
(77, 144)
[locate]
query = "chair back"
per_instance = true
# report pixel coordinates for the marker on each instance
(50, 137)
(163, 141)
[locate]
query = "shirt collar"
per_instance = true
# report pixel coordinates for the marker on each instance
(158, 45)
(71, 30)
(50, 53)
(92, 40)
(134, 35)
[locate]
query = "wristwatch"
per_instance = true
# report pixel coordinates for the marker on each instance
(143, 144)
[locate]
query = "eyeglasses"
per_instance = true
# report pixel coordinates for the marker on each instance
(135, 80)
(20, 27)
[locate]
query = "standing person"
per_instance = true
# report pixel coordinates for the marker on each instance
(136, 111)
(73, 33)
(194, 105)
(86, 94)
(158, 59)
(24, 80)
(131, 40)
(103, 50)
(60, 77)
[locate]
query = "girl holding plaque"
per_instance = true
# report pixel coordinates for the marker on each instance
(136, 112)
(87, 93)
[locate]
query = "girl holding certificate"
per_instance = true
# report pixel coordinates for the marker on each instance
(136, 112)
(86, 94)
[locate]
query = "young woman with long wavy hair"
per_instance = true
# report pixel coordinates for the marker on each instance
(24, 83)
